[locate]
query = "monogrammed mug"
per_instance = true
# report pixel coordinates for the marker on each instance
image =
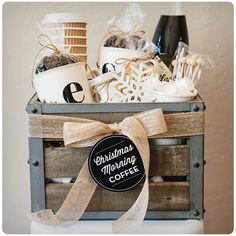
(65, 84)
(108, 57)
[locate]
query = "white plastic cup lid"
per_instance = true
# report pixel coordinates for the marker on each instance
(63, 17)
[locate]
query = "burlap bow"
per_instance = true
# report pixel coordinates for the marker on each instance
(83, 133)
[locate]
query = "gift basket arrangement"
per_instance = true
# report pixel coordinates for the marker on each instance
(129, 68)
(124, 137)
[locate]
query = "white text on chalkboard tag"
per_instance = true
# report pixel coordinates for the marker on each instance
(115, 163)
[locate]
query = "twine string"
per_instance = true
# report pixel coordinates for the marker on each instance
(114, 30)
(128, 61)
(51, 46)
(106, 84)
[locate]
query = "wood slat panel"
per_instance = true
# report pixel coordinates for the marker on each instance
(183, 124)
(169, 160)
(163, 196)
(178, 124)
(165, 161)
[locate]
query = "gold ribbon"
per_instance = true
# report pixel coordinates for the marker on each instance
(83, 133)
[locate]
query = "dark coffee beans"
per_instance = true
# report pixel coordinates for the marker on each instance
(132, 42)
(55, 60)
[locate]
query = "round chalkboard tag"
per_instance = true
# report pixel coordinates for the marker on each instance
(115, 163)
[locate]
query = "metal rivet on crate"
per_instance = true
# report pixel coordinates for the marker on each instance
(35, 163)
(196, 164)
(196, 108)
(196, 212)
(34, 110)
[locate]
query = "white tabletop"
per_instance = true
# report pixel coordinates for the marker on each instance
(104, 227)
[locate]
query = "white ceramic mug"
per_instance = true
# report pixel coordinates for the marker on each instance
(108, 56)
(65, 84)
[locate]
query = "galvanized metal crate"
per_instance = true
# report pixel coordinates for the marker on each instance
(180, 196)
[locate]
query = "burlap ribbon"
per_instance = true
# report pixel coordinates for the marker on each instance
(83, 133)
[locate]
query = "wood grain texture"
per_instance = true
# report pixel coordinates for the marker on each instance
(163, 196)
(184, 124)
(165, 161)
(169, 160)
(178, 124)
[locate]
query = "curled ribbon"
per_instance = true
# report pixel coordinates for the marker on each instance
(83, 133)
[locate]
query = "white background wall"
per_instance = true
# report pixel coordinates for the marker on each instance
(210, 28)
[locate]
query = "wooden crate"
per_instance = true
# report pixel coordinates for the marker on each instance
(180, 196)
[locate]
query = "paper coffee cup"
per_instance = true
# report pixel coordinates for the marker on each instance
(81, 24)
(75, 32)
(81, 57)
(68, 19)
(66, 29)
(78, 49)
(75, 40)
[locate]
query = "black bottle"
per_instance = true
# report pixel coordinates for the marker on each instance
(169, 31)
